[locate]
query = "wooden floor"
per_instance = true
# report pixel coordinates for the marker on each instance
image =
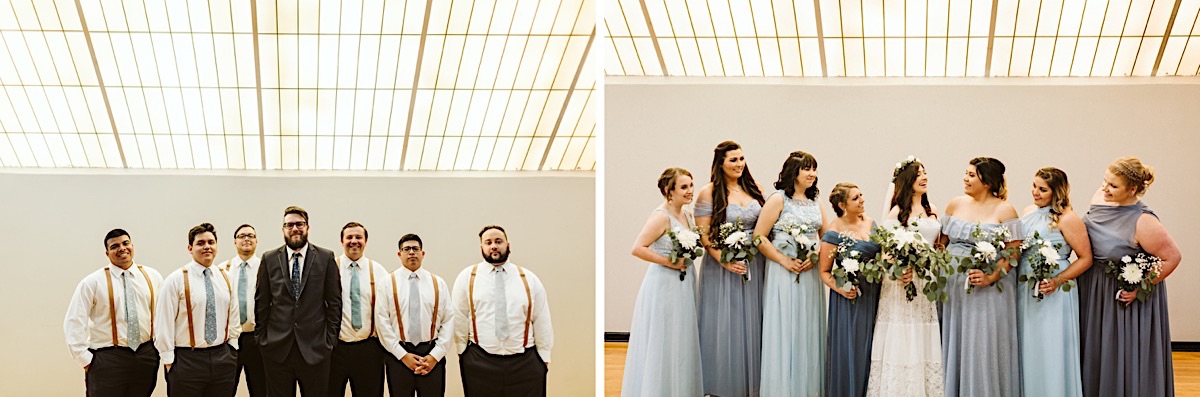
(1187, 371)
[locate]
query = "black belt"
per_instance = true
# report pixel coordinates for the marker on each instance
(200, 349)
(106, 348)
(369, 339)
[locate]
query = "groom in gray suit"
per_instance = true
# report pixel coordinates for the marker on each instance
(298, 307)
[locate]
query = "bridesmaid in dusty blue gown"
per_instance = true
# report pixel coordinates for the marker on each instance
(851, 323)
(979, 330)
(664, 343)
(1048, 329)
(730, 309)
(793, 341)
(1126, 344)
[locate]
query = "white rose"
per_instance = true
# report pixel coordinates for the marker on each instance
(904, 238)
(1126, 259)
(910, 158)
(985, 248)
(853, 253)
(850, 265)
(1131, 274)
(1050, 253)
(734, 238)
(803, 241)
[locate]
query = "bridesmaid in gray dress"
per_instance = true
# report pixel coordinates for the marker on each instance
(1126, 344)
(730, 310)
(979, 330)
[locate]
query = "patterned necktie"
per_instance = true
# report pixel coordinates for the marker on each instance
(296, 275)
(414, 309)
(498, 316)
(132, 325)
(242, 290)
(355, 295)
(210, 309)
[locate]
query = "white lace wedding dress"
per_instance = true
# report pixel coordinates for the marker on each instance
(906, 352)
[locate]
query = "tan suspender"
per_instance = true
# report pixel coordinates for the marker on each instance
(399, 316)
(112, 304)
(528, 308)
(371, 318)
(187, 293)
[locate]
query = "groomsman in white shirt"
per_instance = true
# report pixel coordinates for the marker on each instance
(358, 356)
(415, 324)
(199, 338)
(110, 324)
(243, 273)
(503, 332)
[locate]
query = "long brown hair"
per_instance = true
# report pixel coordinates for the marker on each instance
(720, 191)
(902, 196)
(1060, 192)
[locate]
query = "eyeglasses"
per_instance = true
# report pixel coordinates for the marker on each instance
(246, 236)
(411, 249)
(295, 225)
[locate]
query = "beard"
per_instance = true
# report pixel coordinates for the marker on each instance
(298, 245)
(503, 257)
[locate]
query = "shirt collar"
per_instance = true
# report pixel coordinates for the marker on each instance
(118, 272)
(303, 250)
(197, 267)
(362, 262)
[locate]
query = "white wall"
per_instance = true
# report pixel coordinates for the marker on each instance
(859, 128)
(53, 226)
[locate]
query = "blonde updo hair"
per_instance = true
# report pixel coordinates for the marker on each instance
(839, 195)
(1136, 174)
(666, 181)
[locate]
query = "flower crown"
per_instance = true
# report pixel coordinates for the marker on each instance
(902, 165)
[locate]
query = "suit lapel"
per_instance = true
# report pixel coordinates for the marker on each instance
(285, 268)
(308, 265)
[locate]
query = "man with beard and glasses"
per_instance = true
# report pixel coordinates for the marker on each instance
(109, 324)
(503, 330)
(298, 310)
(243, 272)
(198, 338)
(358, 357)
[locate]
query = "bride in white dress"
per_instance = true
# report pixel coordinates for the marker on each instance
(906, 353)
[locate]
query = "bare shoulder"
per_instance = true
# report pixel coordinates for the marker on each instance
(706, 193)
(894, 213)
(1005, 211)
(954, 204)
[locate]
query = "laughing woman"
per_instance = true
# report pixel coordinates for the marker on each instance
(979, 330)
(1049, 326)
(1126, 344)
(664, 345)
(730, 306)
(793, 342)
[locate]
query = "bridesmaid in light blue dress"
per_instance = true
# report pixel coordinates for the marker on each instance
(730, 309)
(664, 343)
(851, 311)
(1126, 344)
(1049, 328)
(793, 341)
(979, 330)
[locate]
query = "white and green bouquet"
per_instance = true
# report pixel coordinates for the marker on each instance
(850, 268)
(736, 244)
(987, 251)
(798, 245)
(902, 250)
(1043, 260)
(685, 243)
(1136, 273)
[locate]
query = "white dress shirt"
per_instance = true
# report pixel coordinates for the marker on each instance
(386, 317)
(303, 252)
(541, 333)
(232, 268)
(88, 324)
(348, 333)
(171, 318)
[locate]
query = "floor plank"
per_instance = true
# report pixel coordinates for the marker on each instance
(1187, 370)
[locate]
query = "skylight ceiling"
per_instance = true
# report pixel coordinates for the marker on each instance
(903, 38)
(298, 84)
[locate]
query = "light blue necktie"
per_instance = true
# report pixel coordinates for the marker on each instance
(296, 275)
(210, 309)
(499, 321)
(132, 328)
(242, 291)
(414, 309)
(355, 294)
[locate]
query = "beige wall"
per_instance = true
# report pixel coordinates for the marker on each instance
(859, 128)
(53, 226)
